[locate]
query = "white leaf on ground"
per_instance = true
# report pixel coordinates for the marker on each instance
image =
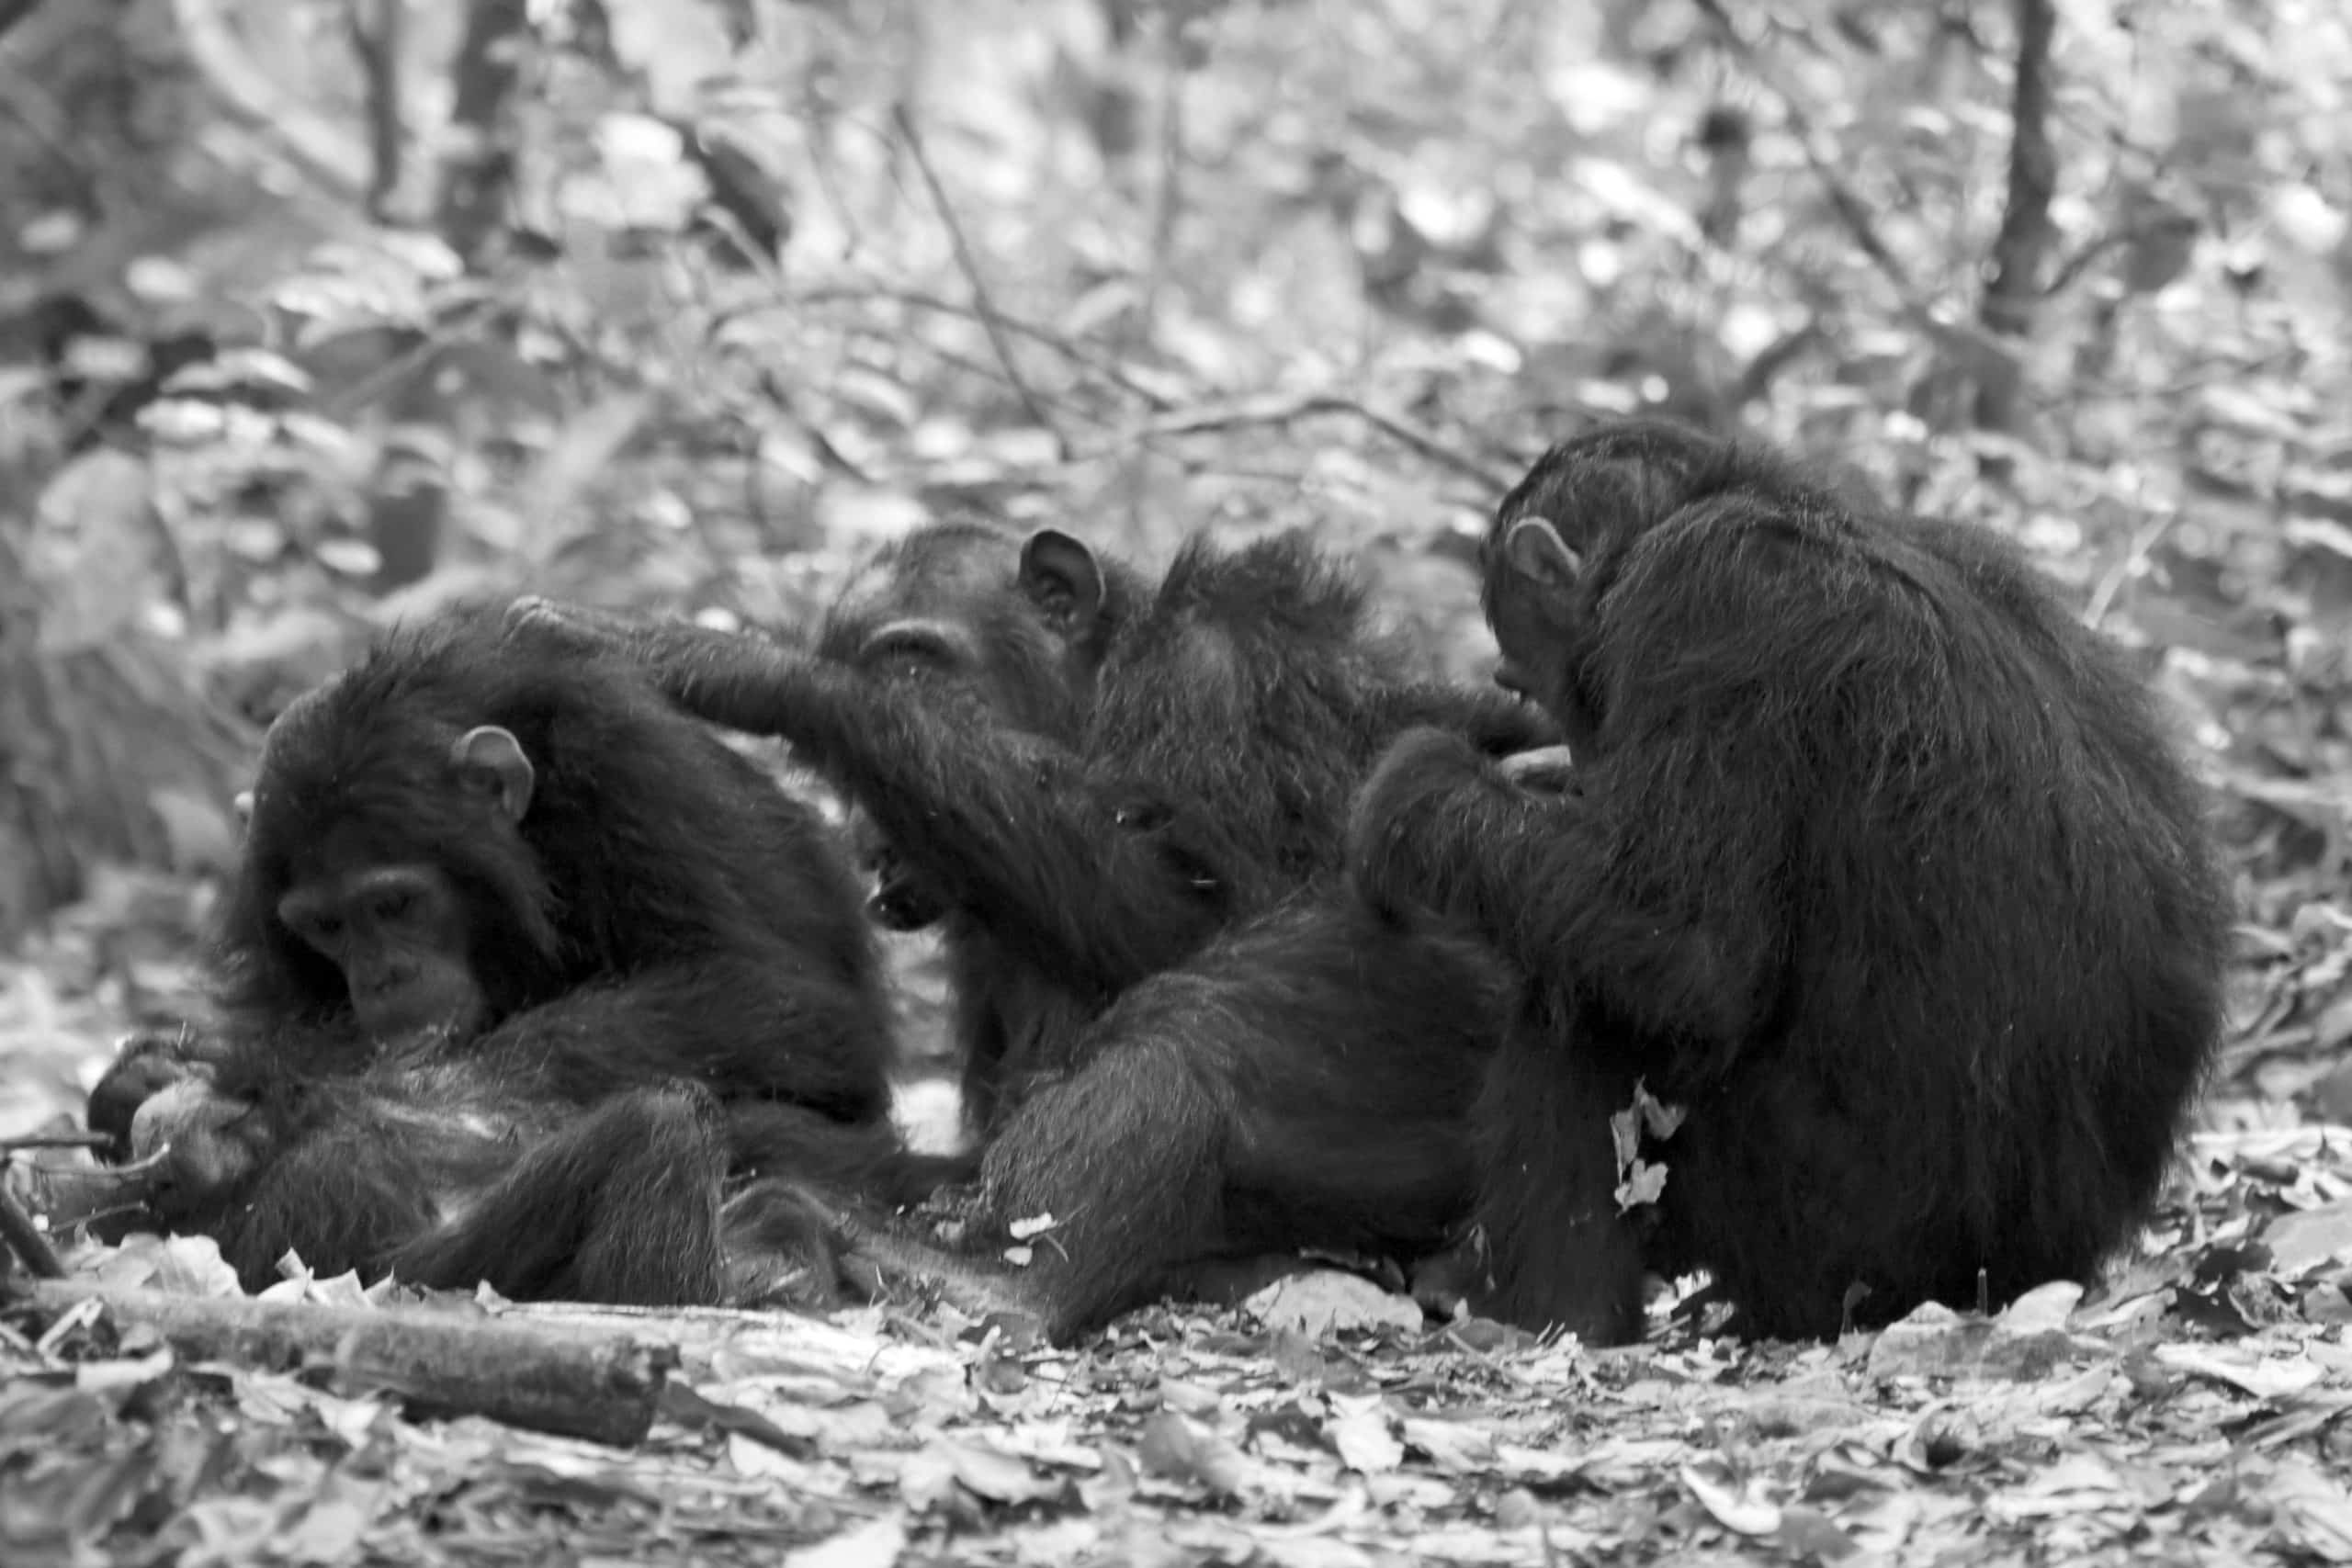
(1329, 1299)
(1736, 1504)
(876, 1543)
(2264, 1377)
(1360, 1434)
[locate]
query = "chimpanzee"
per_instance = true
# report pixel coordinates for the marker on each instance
(439, 1168)
(1872, 858)
(513, 944)
(1128, 799)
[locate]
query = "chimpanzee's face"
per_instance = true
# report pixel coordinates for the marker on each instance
(398, 932)
(1530, 590)
(372, 897)
(900, 899)
(978, 616)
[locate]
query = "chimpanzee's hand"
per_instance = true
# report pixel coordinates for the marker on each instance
(204, 1145)
(1399, 810)
(159, 1105)
(144, 1065)
(1420, 769)
(577, 629)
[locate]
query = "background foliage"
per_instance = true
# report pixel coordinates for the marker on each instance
(316, 313)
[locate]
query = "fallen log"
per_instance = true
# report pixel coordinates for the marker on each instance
(605, 1388)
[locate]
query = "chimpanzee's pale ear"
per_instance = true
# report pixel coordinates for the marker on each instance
(244, 804)
(491, 759)
(1534, 549)
(1061, 576)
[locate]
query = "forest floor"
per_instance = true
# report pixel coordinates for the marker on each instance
(2191, 1409)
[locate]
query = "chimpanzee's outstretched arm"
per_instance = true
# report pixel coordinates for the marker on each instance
(1582, 899)
(751, 1024)
(1011, 826)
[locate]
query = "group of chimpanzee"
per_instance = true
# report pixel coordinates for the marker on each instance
(1827, 826)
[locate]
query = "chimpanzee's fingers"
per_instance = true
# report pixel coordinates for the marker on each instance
(564, 625)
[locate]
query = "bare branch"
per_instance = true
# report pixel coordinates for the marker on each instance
(542, 1377)
(1852, 208)
(1281, 408)
(965, 259)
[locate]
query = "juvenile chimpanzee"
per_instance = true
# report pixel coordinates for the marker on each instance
(1127, 800)
(1872, 858)
(509, 933)
(441, 1169)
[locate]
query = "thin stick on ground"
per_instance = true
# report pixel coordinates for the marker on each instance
(970, 263)
(25, 1239)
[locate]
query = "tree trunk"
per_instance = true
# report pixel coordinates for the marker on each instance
(2024, 240)
(481, 168)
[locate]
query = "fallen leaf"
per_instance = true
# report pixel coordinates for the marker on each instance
(1808, 1532)
(1329, 1300)
(1450, 1445)
(2264, 1377)
(1181, 1450)
(2310, 1239)
(1361, 1435)
(876, 1543)
(1737, 1505)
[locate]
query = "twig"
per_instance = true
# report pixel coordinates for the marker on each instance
(1045, 337)
(1847, 201)
(2143, 539)
(309, 140)
(1280, 408)
(1843, 199)
(24, 1239)
(905, 124)
(601, 1387)
(2068, 272)
(55, 1141)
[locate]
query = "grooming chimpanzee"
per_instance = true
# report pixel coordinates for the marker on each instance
(515, 946)
(1871, 857)
(1127, 800)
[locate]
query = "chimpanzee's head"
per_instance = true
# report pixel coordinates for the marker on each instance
(1019, 625)
(386, 875)
(1550, 551)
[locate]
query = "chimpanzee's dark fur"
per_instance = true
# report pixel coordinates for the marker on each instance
(676, 980)
(1873, 857)
(1128, 799)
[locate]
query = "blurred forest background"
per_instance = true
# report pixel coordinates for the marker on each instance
(314, 313)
